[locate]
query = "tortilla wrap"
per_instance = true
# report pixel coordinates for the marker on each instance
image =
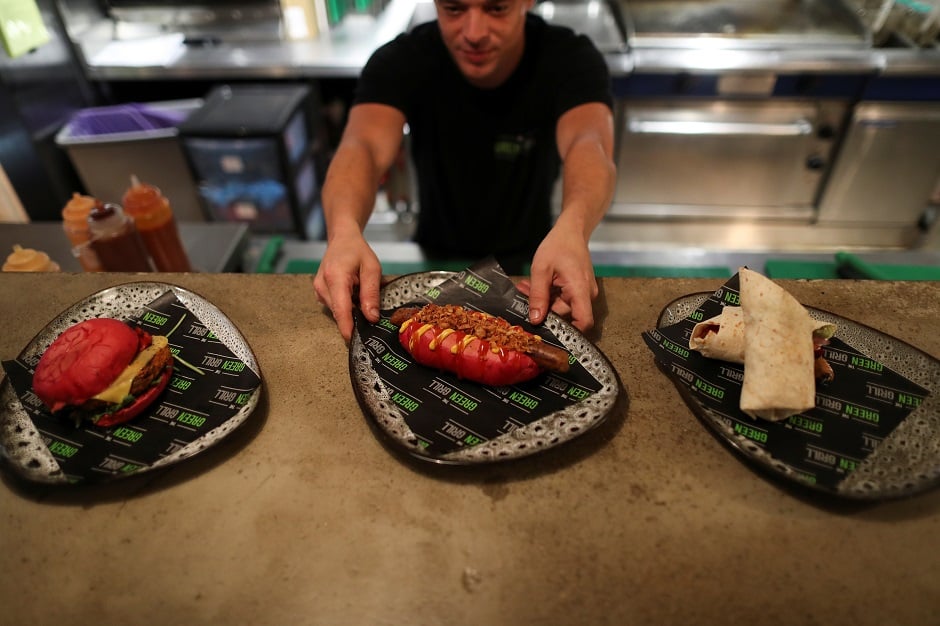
(721, 337)
(778, 352)
(773, 335)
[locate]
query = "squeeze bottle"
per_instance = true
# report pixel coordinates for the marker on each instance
(115, 240)
(29, 260)
(157, 226)
(75, 224)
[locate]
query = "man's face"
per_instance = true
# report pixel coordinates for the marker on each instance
(485, 37)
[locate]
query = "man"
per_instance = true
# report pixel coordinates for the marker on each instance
(494, 98)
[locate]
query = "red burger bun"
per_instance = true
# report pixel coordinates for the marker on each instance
(86, 359)
(83, 361)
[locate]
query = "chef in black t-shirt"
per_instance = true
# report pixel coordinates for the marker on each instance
(498, 102)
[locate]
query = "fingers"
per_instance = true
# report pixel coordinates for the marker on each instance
(336, 284)
(370, 279)
(567, 291)
(582, 302)
(582, 309)
(338, 298)
(539, 292)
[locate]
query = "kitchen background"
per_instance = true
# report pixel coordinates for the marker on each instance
(772, 128)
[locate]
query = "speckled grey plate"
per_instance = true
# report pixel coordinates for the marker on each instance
(21, 445)
(906, 462)
(542, 434)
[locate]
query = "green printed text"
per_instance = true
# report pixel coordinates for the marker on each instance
(476, 284)
(62, 449)
(406, 402)
(523, 399)
(805, 423)
(463, 401)
(751, 433)
(673, 347)
(867, 364)
(127, 434)
(862, 413)
(155, 318)
(909, 401)
(190, 419)
(709, 389)
(394, 362)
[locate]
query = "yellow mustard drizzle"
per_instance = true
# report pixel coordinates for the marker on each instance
(461, 345)
(417, 335)
(440, 337)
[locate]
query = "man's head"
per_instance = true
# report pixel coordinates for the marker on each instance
(486, 38)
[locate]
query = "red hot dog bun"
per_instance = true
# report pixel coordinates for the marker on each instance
(102, 370)
(473, 345)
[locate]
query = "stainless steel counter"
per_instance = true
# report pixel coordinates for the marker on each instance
(212, 247)
(156, 54)
(140, 52)
(616, 258)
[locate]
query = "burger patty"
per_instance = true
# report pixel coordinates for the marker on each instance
(142, 381)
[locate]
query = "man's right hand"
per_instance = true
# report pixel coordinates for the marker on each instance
(348, 264)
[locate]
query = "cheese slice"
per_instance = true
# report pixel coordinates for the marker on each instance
(121, 387)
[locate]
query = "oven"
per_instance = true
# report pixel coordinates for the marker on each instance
(708, 125)
(715, 157)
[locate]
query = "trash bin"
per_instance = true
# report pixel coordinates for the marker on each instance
(107, 145)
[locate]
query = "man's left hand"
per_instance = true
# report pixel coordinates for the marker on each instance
(562, 280)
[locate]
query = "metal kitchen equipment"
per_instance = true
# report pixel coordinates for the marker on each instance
(743, 23)
(724, 158)
(601, 20)
(885, 142)
(206, 22)
(754, 141)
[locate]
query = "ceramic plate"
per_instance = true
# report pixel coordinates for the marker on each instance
(539, 435)
(22, 446)
(906, 462)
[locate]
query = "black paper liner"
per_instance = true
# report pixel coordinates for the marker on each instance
(211, 390)
(437, 416)
(820, 448)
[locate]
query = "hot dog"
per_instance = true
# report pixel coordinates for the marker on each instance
(475, 345)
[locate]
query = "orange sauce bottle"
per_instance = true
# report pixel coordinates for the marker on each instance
(75, 224)
(157, 226)
(29, 260)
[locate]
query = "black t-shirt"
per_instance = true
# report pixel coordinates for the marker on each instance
(486, 159)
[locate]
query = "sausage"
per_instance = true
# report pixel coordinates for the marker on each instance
(400, 316)
(475, 345)
(549, 357)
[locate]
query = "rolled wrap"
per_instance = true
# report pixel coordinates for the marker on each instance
(778, 352)
(772, 335)
(721, 337)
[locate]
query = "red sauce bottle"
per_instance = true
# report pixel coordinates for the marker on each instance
(115, 240)
(157, 226)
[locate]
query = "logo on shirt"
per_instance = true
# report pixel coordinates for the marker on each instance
(512, 147)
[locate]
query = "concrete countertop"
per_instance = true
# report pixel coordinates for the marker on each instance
(302, 516)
